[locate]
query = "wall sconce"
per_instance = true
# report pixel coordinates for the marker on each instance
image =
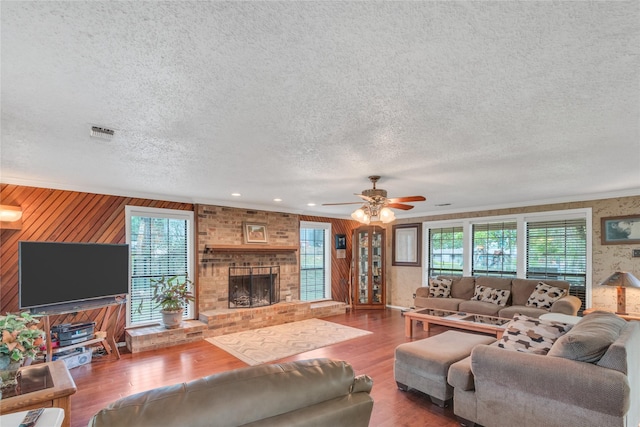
(10, 217)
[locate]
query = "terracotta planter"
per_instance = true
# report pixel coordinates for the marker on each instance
(171, 319)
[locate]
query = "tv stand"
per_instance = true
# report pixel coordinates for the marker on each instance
(105, 332)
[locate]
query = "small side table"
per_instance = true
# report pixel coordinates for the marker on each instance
(559, 317)
(57, 390)
(628, 316)
(51, 417)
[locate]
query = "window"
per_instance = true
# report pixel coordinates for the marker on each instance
(494, 249)
(161, 244)
(542, 245)
(558, 250)
(445, 251)
(315, 261)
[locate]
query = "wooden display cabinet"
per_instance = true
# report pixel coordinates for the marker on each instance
(369, 290)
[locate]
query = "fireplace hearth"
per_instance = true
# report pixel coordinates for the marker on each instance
(254, 286)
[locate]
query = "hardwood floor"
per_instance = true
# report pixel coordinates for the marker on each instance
(104, 381)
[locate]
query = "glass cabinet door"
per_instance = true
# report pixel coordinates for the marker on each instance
(363, 267)
(376, 268)
(368, 253)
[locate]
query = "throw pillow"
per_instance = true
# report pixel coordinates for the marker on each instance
(500, 296)
(489, 294)
(543, 296)
(482, 293)
(589, 340)
(440, 288)
(531, 335)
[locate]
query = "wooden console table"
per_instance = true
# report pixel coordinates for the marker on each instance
(58, 387)
(105, 332)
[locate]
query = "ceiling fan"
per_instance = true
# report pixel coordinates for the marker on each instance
(377, 206)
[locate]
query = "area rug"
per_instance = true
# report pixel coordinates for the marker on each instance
(276, 342)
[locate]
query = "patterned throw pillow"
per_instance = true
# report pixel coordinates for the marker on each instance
(489, 294)
(482, 293)
(500, 296)
(531, 335)
(440, 288)
(543, 296)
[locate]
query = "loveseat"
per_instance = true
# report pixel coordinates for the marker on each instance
(590, 377)
(496, 296)
(318, 392)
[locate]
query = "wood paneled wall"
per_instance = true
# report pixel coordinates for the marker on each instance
(340, 267)
(63, 216)
(70, 216)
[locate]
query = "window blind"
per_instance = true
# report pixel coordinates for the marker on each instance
(494, 249)
(159, 247)
(445, 251)
(558, 250)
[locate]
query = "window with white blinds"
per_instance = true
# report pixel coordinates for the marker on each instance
(538, 245)
(495, 249)
(315, 261)
(160, 242)
(558, 250)
(445, 251)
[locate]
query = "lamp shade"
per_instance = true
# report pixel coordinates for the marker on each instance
(621, 279)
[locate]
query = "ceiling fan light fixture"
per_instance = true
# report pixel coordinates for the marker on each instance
(358, 214)
(387, 215)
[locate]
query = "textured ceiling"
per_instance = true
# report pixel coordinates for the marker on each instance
(477, 104)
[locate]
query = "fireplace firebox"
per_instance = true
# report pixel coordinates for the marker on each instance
(254, 286)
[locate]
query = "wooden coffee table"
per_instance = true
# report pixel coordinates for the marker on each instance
(471, 322)
(43, 385)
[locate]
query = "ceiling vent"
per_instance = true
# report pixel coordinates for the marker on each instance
(102, 133)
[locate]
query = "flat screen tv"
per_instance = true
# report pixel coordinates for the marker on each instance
(53, 273)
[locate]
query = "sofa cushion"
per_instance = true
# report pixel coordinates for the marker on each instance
(479, 307)
(543, 296)
(510, 311)
(451, 304)
(531, 335)
(590, 338)
(439, 288)
(494, 282)
(462, 287)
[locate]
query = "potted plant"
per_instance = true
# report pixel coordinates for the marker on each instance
(171, 295)
(21, 342)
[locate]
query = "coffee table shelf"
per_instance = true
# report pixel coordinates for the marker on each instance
(467, 321)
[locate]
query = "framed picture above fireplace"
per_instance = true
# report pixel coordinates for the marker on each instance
(255, 232)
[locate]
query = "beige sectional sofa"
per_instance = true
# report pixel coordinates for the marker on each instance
(590, 377)
(518, 291)
(318, 392)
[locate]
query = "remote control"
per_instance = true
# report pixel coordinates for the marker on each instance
(31, 418)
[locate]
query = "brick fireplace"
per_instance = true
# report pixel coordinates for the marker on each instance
(221, 247)
(254, 286)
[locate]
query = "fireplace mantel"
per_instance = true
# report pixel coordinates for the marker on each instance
(208, 249)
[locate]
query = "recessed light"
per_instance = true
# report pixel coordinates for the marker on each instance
(311, 204)
(236, 194)
(277, 200)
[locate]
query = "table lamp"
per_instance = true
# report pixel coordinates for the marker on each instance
(621, 280)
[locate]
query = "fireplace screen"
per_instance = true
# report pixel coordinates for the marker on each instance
(254, 286)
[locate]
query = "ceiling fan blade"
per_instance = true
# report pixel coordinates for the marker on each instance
(399, 206)
(367, 198)
(348, 203)
(407, 199)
